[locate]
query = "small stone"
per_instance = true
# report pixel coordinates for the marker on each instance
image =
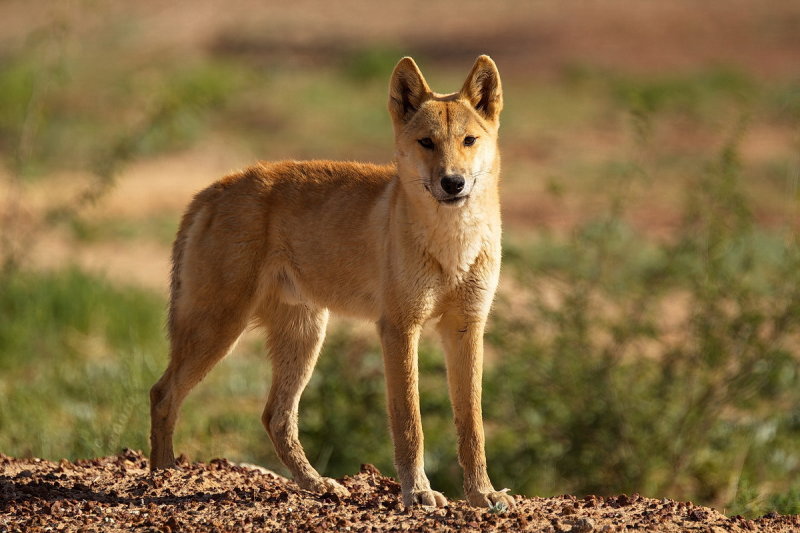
(582, 525)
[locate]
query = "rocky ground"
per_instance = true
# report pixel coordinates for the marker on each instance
(118, 493)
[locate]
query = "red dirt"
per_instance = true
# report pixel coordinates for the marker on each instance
(118, 493)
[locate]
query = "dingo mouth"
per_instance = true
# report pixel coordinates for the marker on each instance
(456, 201)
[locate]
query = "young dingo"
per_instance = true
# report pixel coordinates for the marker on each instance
(280, 244)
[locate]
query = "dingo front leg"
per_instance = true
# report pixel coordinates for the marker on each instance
(400, 363)
(463, 342)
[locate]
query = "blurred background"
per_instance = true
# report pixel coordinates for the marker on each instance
(645, 337)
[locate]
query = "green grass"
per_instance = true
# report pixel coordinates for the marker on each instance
(77, 356)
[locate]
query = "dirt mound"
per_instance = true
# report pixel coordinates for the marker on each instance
(118, 493)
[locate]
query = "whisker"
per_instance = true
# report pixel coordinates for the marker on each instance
(481, 173)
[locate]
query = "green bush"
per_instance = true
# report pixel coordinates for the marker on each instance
(666, 368)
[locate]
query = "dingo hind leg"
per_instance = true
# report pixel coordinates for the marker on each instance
(294, 336)
(196, 348)
(213, 291)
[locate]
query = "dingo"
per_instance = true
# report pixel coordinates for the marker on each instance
(280, 244)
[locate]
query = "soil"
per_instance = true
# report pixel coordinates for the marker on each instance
(119, 493)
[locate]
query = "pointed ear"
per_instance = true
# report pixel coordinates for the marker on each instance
(407, 90)
(483, 90)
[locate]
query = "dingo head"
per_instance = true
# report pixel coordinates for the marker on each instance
(446, 145)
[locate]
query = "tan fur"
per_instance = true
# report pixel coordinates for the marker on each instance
(281, 244)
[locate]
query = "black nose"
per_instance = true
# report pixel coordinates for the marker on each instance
(453, 184)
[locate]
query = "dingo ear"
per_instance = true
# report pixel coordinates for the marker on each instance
(407, 90)
(482, 88)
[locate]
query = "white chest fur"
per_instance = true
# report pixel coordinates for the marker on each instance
(456, 236)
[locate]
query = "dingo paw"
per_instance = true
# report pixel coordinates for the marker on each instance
(493, 499)
(323, 485)
(427, 498)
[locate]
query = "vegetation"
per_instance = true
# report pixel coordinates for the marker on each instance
(619, 360)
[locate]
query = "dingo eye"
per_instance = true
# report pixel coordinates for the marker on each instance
(469, 140)
(426, 143)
